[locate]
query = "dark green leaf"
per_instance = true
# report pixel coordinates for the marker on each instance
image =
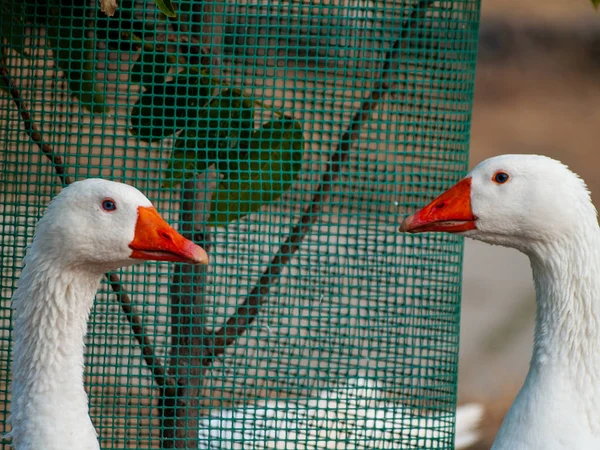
(74, 53)
(189, 157)
(166, 7)
(596, 3)
(220, 128)
(261, 174)
(12, 23)
(151, 68)
(162, 109)
(228, 119)
(119, 29)
(3, 88)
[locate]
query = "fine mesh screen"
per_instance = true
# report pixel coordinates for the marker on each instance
(289, 139)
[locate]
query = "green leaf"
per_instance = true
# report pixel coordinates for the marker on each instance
(151, 68)
(261, 174)
(117, 31)
(12, 23)
(596, 3)
(228, 119)
(221, 127)
(4, 88)
(190, 156)
(162, 109)
(166, 7)
(74, 54)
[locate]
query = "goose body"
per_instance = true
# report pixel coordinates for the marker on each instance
(91, 227)
(357, 417)
(538, 206)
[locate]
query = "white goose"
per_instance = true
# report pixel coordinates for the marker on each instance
(357, 416)
(91, 227)
(538, 206)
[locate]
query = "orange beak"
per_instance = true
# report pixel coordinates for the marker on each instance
(450, 212)
(155, 240)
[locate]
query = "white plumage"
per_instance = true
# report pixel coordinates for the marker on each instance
(89, 228)
(538, 206)
(355, 417)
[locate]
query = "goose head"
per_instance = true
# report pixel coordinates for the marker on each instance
(102, 225)
(518, 201)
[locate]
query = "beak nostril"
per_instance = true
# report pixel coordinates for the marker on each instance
(440, 205)
(165, 235)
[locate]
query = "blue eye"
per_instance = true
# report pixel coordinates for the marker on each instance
(500, 177)
(109, 205)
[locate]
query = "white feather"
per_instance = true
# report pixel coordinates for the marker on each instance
(544, 210)
(74, 243)
(357, 417)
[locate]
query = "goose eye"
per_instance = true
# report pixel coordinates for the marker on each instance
(109, 205)
(500, 177)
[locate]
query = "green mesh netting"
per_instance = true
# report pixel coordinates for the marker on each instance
(288, 138)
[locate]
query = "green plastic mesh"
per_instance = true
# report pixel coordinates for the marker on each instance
(288, 138)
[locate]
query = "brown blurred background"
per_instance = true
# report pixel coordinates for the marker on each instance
(537, 91)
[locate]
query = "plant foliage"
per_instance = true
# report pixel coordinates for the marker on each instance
(212, 124)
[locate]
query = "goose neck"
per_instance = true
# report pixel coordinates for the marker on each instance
(49, 403)
(567, 328)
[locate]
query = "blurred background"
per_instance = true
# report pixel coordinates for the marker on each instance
(537, 91)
